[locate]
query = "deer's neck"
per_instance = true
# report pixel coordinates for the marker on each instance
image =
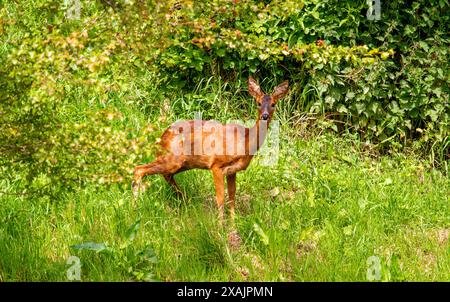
(257, 135)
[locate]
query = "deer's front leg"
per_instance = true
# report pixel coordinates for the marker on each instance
(220, 191)
(231, 183)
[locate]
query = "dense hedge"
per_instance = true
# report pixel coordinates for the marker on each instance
(388, 77)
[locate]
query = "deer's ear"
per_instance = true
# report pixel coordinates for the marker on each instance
(280, 91)
(253, 88)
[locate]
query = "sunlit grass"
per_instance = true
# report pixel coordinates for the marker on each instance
(329, 204)
(323, 217)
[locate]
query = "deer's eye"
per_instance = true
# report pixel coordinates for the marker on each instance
(273, 105)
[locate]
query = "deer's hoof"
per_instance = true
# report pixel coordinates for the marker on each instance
(135, 189)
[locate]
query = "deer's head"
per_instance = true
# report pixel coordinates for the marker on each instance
(266, 102)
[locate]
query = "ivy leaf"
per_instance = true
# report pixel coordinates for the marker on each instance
(315, 15)
(360, 107)
(341, 108)
(424, 45)
(350, 95)
(409, 30)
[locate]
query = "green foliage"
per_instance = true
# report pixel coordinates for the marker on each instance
(248, 36)
(386, 79)
(138, 264)
(47, 139)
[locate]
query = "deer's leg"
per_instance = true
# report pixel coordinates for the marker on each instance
(220, 191)
(163, 165)
(140, 172)
(231, 184)
(171, 180)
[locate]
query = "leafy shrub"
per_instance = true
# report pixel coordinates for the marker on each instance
(388, 79)
(48, 140)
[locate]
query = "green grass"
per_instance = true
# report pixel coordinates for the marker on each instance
(323, 210)
(329, 204)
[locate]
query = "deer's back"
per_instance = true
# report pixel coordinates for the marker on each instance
(204, 144)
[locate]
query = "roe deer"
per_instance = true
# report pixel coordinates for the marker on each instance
(223, 149)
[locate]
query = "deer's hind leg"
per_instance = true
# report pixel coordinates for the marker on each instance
(166, 165)
(171, 180)
(220, 191)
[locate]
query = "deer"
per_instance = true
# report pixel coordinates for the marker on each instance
(223, 149)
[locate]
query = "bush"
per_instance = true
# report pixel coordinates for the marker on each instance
(50, 139)
(387, 78)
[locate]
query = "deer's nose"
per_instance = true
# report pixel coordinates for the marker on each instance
(265, 116)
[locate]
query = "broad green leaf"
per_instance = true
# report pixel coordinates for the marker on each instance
(262, 236)
(342, 108)
(91, 246)
(150, 255)
(132, 231)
